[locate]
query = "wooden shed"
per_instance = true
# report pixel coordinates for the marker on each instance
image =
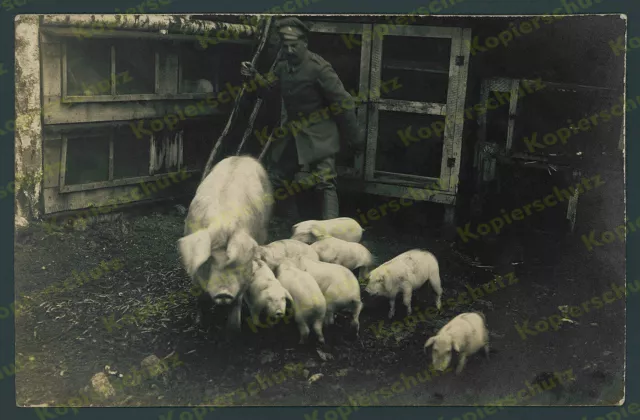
(419, 82)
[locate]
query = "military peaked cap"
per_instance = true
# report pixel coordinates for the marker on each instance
(292, 28)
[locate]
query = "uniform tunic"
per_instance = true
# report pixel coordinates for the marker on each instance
(318, 110)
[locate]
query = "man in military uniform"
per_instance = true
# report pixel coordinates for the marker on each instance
(309, 87)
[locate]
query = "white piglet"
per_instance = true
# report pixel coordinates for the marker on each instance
(344, 228)
(340, 288)
(226, 222)
(405, 273)
(309, 305)
(466, 334)
(265, 294)
(278, 251)
(351, 255)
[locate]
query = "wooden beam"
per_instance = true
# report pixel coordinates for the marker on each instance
(513, 112)
(576, 87)
(157, 36)
(413, 65)
(403, 179)
(372, 125)
(93, 25)
(115, 182)
(136, 97)
(114, 89)
(131, 112)
(428, 108)
(111, 147)
(459, 119)
(363, 108)
(455, 104)
(421, 31)
(337, 27)
(386, 190)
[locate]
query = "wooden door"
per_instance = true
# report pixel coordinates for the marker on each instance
(418, 85)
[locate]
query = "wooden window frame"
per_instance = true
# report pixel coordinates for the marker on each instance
(113, 97)
(111, 182)
(453, 108)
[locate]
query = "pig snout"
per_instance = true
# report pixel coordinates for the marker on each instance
(223, 299)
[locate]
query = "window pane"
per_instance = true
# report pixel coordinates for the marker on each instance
(424, 78)
(87, 159)
(135, 67)
(199, 69)
(88, 68)
(130, 154)
(398, 153)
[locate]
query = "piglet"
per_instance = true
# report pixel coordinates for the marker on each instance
(351, 255)
(276, 252)
(339, 286)
(466, 334)
(405, 273)
(265, 294)
(309, 305)
(343, 228)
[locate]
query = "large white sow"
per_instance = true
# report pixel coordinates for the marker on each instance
(226, 222)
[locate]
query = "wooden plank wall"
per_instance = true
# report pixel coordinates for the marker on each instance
(166, 149)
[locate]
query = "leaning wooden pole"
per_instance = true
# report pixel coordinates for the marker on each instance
(256, 108)
(234, 112)
(266, 146)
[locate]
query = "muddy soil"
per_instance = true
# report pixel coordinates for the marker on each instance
(67, 335)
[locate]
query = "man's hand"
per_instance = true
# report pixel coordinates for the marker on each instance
(247, 69)
(357, 142)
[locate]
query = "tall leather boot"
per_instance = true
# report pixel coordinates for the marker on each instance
(330, 206)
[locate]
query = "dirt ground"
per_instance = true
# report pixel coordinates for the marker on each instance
(67, 335)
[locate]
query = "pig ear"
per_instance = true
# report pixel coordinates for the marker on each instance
(430, 342)
(315, 231)
(241, 247)
(318, 232)
(195, 250)
(287, 295)
(387, 281)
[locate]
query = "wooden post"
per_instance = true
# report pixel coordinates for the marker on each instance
(28, 127)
